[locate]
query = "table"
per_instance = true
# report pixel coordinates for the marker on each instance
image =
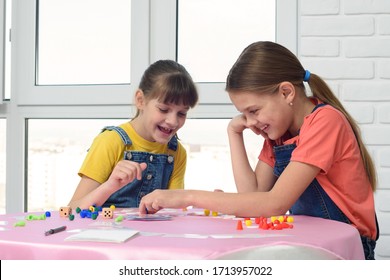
(188, 235)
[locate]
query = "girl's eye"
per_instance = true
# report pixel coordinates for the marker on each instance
(253, 111)
(163, 110)
(182, 114)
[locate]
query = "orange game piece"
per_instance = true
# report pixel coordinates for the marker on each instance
(239, 225)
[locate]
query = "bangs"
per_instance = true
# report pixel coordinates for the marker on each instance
(176, 89)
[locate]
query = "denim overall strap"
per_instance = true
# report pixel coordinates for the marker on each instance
(122, 133)
(172, 144)
(156, 175)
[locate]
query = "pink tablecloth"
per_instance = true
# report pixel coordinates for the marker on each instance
(188, 235)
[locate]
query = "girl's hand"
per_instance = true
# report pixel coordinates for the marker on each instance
(237, 124)
(125, 172)
(159, 199)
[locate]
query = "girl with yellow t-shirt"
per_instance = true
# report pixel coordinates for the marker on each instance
(131, 160)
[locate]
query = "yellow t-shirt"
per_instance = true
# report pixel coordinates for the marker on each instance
(108, 149)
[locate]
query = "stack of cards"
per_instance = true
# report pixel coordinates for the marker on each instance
(148, 217)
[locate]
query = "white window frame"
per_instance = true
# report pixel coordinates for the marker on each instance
(153, 38)
(2, 50)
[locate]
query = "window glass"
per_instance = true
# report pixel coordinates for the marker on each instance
(7, 51)
(2, 164)
(56, 149)
(83, 42)
(212, 33)
(208, 154)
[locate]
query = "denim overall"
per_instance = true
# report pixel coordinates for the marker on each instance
(155, 176)
(314, 201)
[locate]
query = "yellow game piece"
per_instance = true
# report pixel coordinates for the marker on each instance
(214, 213)
(281, 219)
(273, 218)
(248, 223)
(290, 219)
(206, 212)
(92, 209)
(112, 207)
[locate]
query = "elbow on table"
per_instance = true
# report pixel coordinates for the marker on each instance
(277, 208)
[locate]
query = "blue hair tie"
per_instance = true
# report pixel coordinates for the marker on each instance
(307, 76)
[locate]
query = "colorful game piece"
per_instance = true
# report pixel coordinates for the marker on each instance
(290, 219)
(239, 225)
(47, 214)
(248, 223)
(20, 224)
(78, 210)
(214, 213)
(108, 213)
(112, 207)
(206, 212)
(33, 217)
(119, 219)
(65, 211)
(71, 217)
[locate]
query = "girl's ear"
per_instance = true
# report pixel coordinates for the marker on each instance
(287, 90)
(139, 99)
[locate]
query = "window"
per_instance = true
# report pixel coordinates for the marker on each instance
(56, 150)
(223, 29)
(208, 154)
(78, 52)
(50, 95)
(83, 42)
(54, 144)
(5, 50)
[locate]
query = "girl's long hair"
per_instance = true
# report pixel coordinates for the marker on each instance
(262, 66)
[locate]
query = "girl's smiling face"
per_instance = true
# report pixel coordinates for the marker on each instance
(159, 122)
(269, 114)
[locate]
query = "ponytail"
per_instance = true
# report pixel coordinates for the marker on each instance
(322, 91)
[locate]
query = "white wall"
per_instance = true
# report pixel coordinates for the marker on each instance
(347, 42)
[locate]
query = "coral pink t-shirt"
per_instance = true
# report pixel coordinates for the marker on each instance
(326, 140)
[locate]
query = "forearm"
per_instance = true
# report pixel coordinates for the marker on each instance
(97, 196)
(244, 176)
(248, 204)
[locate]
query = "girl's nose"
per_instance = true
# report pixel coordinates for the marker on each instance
(250, 121)
(172, 120)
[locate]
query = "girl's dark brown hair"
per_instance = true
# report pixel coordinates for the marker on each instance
(262, 66)
(170, 83)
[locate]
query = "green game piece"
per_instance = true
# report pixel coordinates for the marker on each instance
(20, 224)
(119, 218)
